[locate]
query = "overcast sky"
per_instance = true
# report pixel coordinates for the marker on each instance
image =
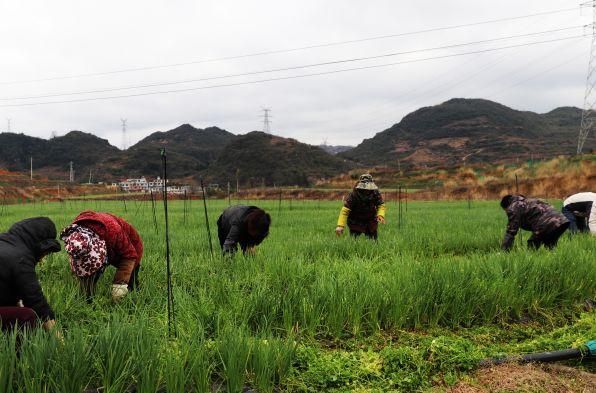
(56, 39)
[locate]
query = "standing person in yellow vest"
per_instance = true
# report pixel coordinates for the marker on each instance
(363, 209)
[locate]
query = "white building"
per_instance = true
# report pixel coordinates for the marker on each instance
(142, 185)
(134, 185)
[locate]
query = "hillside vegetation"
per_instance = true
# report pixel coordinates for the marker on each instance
(263, 159)
(462, 131)
(442, 137)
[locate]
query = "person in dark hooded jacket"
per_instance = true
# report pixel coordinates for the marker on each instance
(22, 301)
(532, 214)
(244, 225)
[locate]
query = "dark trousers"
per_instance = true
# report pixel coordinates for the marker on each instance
(220, 232)
(20, 317)
(88, 283)
(549, 240)
(576, 224)
(371, 235)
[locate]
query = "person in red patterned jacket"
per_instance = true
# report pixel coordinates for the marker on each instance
(95, 240)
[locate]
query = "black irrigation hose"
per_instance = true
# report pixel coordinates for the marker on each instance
(587, 352)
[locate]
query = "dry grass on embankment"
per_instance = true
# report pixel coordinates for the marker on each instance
(556, 178)
(528, 378)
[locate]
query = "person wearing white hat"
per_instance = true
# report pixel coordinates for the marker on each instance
(580, 210)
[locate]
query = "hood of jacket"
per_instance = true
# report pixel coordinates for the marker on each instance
(37, 234)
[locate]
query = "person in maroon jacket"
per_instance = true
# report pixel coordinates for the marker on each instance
(95, 240)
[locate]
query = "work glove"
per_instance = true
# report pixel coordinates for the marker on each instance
(119, 291)
(339, 231)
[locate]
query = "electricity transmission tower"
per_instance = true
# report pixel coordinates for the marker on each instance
(123, 133)
(8, 120)
(588, 115)
(267, 120)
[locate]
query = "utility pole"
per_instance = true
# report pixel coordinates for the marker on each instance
(31, 167)
(588, 118)
(237, 180)
(71, 175)
(267, 120)
(123, 133)
(89, 176)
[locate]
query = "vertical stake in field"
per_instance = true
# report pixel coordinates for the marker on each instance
(469, 200)
(399, 216)
(229, 199)
(153, 209)
(517, 193)
(207, 218)
(406, 197)
(279, 204)
(184, 206)
(171, 310)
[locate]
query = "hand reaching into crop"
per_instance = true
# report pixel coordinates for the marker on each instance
(119, 291)
(50, 326)
(251, 250)
(339, 231)
(381, 219)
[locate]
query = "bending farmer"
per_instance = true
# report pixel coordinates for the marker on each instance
(580, 210)
(22, 301)
(532, 214)
(244, 225)
(95, 240)
(363, 209)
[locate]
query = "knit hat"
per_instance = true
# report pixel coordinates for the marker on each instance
(366, 183)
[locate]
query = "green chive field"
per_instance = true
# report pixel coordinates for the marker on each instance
(310, 312)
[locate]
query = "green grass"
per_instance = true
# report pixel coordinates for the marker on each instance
(309, 312)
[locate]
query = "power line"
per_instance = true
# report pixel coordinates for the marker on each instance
(292, 76)
(444, 81)
(302, 48)
(350, 60)
(438, 94)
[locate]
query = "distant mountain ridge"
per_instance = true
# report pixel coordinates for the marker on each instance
(471, 130)
(259, 158)
(455, 132)
(333, 150)
(189, 150)
(213, 153)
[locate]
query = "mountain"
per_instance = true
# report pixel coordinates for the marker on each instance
(333, 150)
(52, 157)
(189, 150)
(455, 132)
(471, 130)
(16, 150)
(261, 157)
